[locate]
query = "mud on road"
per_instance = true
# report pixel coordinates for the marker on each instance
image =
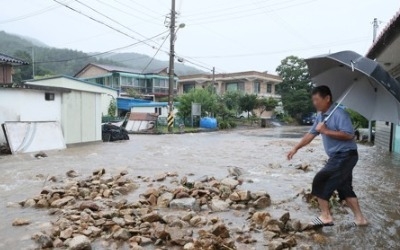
(260, 154)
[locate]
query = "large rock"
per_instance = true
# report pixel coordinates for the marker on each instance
(275, 244)
(244, 195)
(259, 217)
(44, 241)
(234, 196)
(220, 230)
(262, 202)
(184, 203)
(285, 217)
(121, 234)
(230, 182)
(90, 205)
(198, 221)
(21, 222)
(151, 217)
(80, 242)
(164, 200)
(219, 205)
(66, 234)
(178, 235)
(62, 202)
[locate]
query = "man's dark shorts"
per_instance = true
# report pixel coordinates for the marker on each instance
(336, 175)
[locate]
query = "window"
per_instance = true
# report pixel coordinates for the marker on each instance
(256, 87)
(49, 96)
(235, 86)
(161, 83)
(269, 88)
(158, 111)
(188, 87)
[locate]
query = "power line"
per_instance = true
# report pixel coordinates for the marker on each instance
(128, 13)
(103, 23)
(102, 53)
(155, 54)
(122, 32)
(222, 10)
(344, 42)
(243, 14)
(293, 31)
(109, 18)
(143, 6)
(28, 15)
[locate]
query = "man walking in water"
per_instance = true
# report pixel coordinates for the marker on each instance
(338, 139)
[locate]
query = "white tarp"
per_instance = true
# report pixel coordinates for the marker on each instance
(24, 137)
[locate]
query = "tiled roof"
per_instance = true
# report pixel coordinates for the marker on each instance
(11, 60)
(387, 36)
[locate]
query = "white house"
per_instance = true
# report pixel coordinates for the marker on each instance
(77, 105)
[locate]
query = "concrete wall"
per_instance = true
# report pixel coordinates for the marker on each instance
(27, 105)
(383, 135)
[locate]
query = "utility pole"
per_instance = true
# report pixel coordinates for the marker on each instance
(213, 79)
(375, 25)
(33, 62)
(170, 119)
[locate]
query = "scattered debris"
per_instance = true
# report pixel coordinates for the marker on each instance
(40, 155)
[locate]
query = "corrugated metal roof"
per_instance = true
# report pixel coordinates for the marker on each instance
(386, 37)
(113, 68)
(11, 60)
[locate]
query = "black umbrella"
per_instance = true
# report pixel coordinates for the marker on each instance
(358, 83)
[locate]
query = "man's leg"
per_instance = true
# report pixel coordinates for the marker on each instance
(325, 216)
(359, 218)
(324, 183)
(346, 192)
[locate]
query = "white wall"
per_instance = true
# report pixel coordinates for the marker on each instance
(164, 110)
(27, 105)
(107, 94)
(81, 117)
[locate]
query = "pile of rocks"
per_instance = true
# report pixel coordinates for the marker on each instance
(94, 208)
(206, 194)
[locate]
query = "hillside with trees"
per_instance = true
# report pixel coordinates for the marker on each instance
(55, 61)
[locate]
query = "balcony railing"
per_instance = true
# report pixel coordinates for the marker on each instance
(148, 91)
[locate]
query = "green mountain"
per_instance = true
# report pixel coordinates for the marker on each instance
(140, 61)
(55, 61)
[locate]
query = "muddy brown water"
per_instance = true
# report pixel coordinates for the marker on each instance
(258, 152)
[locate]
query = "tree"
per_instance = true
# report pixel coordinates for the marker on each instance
(358, 120)
(266, 104)
(112, 108)
(207, 99)
(248, 103)
(297, 102)
(295, 87)
(25, 72)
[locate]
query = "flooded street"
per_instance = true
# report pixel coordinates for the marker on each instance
(260, 153)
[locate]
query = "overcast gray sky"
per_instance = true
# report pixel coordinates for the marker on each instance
(232, 35)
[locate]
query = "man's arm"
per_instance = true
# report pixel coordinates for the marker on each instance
(338, 135)
(307, 138)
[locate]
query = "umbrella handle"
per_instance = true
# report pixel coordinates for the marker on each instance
(339, 103)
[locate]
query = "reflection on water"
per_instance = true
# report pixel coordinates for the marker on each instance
(259, 152)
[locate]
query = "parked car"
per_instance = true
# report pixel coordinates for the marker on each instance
(308, 118)
(244, 114)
